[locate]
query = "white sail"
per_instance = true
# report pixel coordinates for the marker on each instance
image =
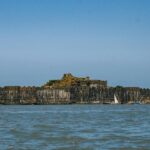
(115, 99)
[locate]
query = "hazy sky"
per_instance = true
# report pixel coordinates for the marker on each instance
(103, 39)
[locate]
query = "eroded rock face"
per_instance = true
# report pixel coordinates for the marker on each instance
(73, 90)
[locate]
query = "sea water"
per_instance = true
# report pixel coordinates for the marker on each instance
(74, 127)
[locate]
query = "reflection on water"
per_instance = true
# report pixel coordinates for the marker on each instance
(71, 127)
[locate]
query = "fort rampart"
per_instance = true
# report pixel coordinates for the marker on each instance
(70, 90)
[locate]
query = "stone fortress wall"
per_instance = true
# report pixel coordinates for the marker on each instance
(70, 90)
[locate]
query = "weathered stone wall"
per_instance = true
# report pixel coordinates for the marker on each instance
(52, 96)
(17, 95)
(75, 94)
(105, 95)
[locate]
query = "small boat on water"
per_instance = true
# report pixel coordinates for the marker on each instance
(115, 100)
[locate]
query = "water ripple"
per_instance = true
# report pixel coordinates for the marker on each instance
(65, 127)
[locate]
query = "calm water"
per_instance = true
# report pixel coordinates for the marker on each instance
(73, 127)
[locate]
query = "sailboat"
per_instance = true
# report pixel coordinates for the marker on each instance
(113, 102)
(116, 100)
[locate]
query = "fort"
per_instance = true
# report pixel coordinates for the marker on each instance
(73, 90)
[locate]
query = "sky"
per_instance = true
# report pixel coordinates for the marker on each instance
(108, 40)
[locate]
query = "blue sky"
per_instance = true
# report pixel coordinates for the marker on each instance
(103, 39)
